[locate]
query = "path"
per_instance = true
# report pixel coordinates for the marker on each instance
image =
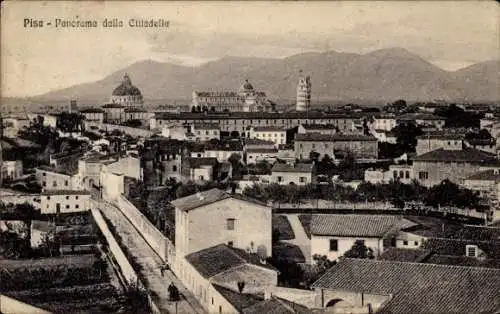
(301, 240)
(150, 263)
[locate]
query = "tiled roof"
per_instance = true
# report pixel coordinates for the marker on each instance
(304, 168)
(91, 110)
(220, 258)
(419, 116)
(487, 175)
(257, 115)
(456, 137)
(315, 137)
(196, 162)
(226, 146)
(208, 197)
(206, 126)
(257, 141)
(464, 155)
(55, 170)
(276, 306)
(65, 192)
(262, 150)
(319, 126)
(356, 225)
(416, 287)
(403, 255)
(200, 199)
(490, 248)
(238, 300)
(268, 129)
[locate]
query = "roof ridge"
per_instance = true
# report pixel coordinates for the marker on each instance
(422, 264)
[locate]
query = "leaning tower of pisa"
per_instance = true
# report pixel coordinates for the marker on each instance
(303, 93)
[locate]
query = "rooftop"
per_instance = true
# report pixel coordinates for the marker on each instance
(238, 300)
(465, 155)
(56, 170)
(319, 126)
(196, 162)
(277, 306)
(456, 137)
(254, 115)
(300, 167)
(315, 137)
(91, 110)
(257, 141)
(220, 258)
(65, 192)
(268, 129)
(207, 197)
(416, 287)
(350, 225)
(262, 150)
(419, 116)
(487, 175)
(206, 126)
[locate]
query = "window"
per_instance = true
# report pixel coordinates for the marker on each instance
(334, 245)
(48, 197)
(407, 176)
(199, 155)
(302, 179)
(405, 242)
(415, 243)
(220, 309)
(230, 223)
(401, 174)
(301, 147)
(77, 206)
(313, 146)
(44, 174)
(67, 197)
(67, 206)
(280, 179)
(212, 300)
(423, 175)
(201, 178)
(66, 183)
(206, 132)
(326, 146)
(54, 184)
(395, 174)
(76, 197)
(44, 183)
(230, 243)
(471, 250)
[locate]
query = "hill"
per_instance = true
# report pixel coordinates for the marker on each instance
(382, 75)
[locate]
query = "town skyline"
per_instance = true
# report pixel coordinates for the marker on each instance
(40, 61)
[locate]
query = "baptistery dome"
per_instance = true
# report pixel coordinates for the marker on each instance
(246, 86)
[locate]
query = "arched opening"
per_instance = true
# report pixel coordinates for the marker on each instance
(333, 302)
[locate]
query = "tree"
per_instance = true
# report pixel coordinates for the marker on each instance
(235, 161)
(359, 250)
(406, 136)
(314, 156)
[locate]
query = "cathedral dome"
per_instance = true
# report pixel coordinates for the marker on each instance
(246, 86)
(126, 88)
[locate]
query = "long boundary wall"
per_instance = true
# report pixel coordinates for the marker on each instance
(126, 268)
(158, 242)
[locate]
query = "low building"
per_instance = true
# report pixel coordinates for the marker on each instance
(64, 201)
(199, 169)
(213, 275)
(360, 146)
(383, 122)
(205, 131)
(384, 136)
(332, 235)
(94, 115)
(175, 131)
(455, 165)
(402, 173)
(114, 113)
(373, 286)
(268, 133)
(234, 220)
(325, 129)
(255, 155)
(286, 153)
(11, 169)
(222, 151)
(430, 142)
(52, 179)
(300, 173)
(484, 182)
(423, 120)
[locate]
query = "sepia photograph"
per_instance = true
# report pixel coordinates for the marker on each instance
(257, 157)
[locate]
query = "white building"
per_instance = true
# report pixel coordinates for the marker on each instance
(52, 179)
(300, 174)
(269, 133)
(384, 122)
(174, 131)
(255, 155)
(64, 201)
(11, 169)
(205, 131)
(333, 235)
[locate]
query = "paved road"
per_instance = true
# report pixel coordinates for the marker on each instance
(150, 263)
(301, 239)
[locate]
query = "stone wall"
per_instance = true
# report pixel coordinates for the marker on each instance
(14, 197)
(158, 242)
(135, 132)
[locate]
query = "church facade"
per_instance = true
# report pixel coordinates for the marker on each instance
(246, 99)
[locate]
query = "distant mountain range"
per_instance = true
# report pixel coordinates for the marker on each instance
(383, 75)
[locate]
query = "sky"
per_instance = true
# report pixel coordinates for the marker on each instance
(36, 60)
